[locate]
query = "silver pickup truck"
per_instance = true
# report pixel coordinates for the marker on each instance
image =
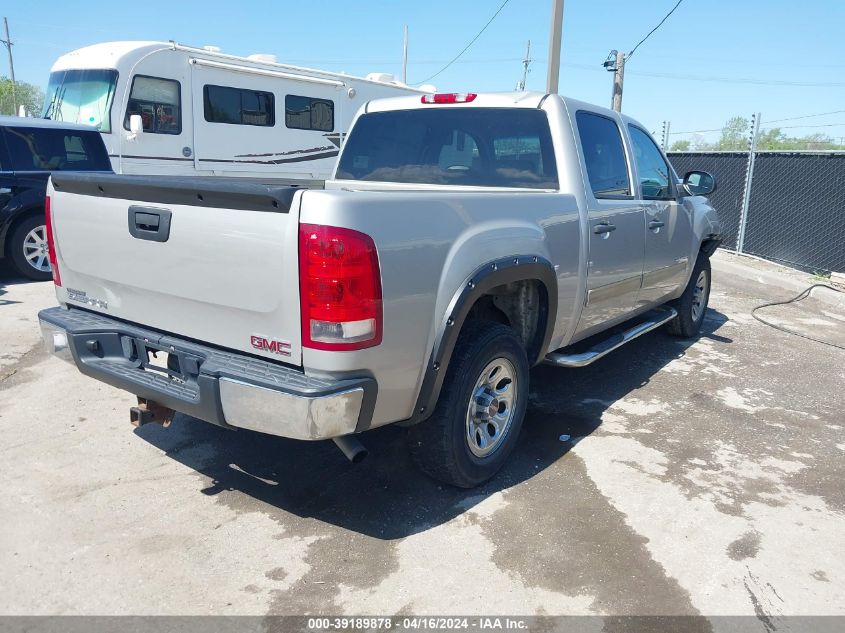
(463, 239)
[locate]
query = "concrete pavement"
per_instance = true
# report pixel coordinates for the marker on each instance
(672, 477)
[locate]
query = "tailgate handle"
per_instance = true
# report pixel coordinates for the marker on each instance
(149, 223)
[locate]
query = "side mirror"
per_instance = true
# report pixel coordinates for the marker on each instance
(699, 183)
(136, 124)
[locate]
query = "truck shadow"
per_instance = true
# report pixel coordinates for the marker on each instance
(385, 496)
(9, 277)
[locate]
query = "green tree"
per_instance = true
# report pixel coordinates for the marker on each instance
(771, 139)
(28, 95)
(680, 146)
(735, 134)
(775, 139)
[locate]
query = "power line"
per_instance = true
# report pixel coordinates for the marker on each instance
(697, 131)
(785, 127)
(792, 127)
(806, 116)
(466, 48)
(665, 17)
(739, 80)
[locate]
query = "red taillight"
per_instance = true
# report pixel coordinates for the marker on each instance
(449, 97)
(51, 241)
(339, 288)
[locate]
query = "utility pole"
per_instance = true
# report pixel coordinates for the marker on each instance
(405, 58)
(615, 63)
(8, 43)
(553, 76)
(618, 80)
(525, 63)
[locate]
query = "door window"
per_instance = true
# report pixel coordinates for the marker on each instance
(652, 168)
(159, 104)
(604, 155)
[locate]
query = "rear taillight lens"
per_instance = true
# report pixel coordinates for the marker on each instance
(340, 288)
(51, 241)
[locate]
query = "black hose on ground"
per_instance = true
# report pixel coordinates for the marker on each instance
(799, 297)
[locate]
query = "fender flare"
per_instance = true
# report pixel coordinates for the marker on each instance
(490, 275)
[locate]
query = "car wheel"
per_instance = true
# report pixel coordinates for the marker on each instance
(692, 305)
(477, 420)
(29, 251)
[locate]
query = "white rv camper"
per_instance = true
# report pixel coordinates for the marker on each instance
(164, 108)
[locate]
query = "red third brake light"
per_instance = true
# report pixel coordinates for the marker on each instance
(449, 97)
(51, 241)
(339, 288)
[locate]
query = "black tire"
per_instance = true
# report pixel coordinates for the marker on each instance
(15, 252)
(688, 322)
(440, 445)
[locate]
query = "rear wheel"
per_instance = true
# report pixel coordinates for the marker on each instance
(28, 249)
(478, 417)
(692, 305)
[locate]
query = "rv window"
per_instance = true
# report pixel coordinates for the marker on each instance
(158, 101)
(238, 106)
(308, 113)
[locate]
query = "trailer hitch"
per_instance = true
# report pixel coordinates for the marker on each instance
(149, 411)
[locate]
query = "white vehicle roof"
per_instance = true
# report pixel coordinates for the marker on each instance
(492, 100)
(119, 55)
(482, 100)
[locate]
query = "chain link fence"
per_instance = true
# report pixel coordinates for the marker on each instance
(795, 210)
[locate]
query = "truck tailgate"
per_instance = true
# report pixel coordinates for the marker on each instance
(225, 270)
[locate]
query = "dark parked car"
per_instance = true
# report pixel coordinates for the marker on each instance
(30, 149)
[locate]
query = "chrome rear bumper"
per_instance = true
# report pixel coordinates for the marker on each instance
(227, 388)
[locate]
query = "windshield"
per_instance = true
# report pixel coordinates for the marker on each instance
(81, 96)
(488, 147)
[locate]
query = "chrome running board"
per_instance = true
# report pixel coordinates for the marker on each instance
(654, 320)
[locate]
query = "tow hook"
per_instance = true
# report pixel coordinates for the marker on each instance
(148, 411)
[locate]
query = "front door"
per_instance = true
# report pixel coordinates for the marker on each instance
(616, 240)
(668, 225)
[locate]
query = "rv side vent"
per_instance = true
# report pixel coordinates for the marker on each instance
(262, 57)
(385, 78)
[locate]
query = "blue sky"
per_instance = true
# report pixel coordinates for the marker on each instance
(711, 60)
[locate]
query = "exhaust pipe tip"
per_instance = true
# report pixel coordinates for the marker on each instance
(351, 448)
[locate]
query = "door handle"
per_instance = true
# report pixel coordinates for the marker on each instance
(149, 223)
(656, 224)
(604, 228)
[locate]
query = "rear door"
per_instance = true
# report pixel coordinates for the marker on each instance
(668, 225)
(616, 240)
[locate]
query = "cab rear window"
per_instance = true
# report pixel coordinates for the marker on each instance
(486, 147)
